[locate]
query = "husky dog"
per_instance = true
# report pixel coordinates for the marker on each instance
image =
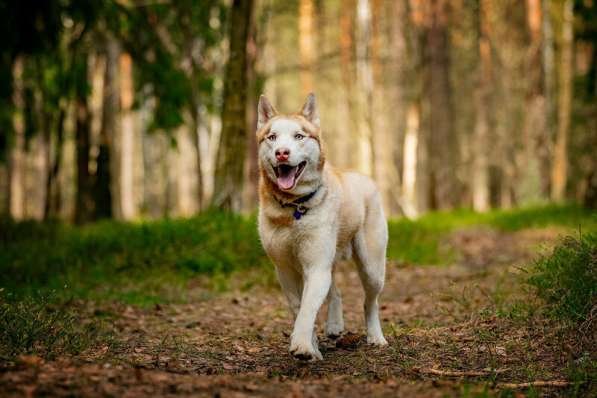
(310, 217)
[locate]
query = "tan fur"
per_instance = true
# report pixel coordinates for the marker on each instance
(344, 217)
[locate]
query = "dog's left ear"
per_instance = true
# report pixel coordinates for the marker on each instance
(310, 111)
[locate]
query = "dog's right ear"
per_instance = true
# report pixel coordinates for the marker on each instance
(265, 111)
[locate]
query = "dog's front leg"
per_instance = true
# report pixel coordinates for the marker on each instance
(317, 281)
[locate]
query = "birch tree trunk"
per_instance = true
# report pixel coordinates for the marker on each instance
(228, 175)
(410, 158)
(306, 45)
(127, 139)
(560, 162)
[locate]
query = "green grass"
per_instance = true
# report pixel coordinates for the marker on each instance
(566, 279)
(131, 262)
(419, 241)
(38, 326)
(150, 262)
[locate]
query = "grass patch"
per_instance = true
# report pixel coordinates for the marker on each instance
(150, 262)
(419, 241)
(566, 279)
(34, 326)
(132, 262)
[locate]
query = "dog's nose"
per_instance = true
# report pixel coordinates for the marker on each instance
(282, 154)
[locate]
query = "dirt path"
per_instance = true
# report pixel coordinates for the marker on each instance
(440, 321)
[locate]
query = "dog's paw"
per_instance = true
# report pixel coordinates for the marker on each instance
(334, 330)
(305, 352)
(378, 340)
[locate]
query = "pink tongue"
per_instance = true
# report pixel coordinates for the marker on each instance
(287, 181)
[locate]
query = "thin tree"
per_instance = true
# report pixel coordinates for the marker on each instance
(228, 175)
(559, 172)
(480, 172)
(110, 110)
(84, 201)
(442, 141)
(306, 45)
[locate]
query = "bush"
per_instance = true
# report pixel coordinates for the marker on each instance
(567, 278)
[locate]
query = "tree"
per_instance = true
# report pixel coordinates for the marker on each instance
(228, 174)
(442, 140)
(480, 174)
(306, 44)
(560, 162)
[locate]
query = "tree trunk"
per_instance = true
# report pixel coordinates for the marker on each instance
(84, 206)
(529, 186)
(195, 125)
(109, 128)
(364, 93)
(409, 174)
(549, 93)
(480, 174)
(442, 140)
(16, 170)
(228, 176)
(347, 71)
(53, 196)
(560, 162)
(127, 139)
(306, 45)
(255, 86)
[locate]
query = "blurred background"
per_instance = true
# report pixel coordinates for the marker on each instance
(129, 255)
(145, 109)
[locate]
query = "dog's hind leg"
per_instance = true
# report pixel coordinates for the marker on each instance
(335, 322)
(369, 250)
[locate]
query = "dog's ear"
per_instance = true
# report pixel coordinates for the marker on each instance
(310, 111)
(265, 111)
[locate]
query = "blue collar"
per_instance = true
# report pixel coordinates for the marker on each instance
(299, 209)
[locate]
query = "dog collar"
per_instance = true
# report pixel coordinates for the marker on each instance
(299, 209)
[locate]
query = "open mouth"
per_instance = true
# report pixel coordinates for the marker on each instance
(288, 175)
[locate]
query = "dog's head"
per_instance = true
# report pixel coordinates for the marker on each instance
(290, 151)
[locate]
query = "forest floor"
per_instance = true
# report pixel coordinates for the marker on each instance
(457, 330)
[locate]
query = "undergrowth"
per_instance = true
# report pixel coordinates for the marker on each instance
(419, 241)
(154, 261)
(36, 326)
(566, 279)
(566, 282)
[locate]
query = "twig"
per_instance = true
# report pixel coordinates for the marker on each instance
(456, 373)
(539, 383)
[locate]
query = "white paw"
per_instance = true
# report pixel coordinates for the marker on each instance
(333, 329)
(377, 340)
(305, 351)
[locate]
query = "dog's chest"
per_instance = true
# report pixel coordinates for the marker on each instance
(282, 240)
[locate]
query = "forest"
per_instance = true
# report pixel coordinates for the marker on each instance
(147, 109)
(130, 260)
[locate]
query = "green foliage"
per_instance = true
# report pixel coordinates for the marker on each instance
(38, 327)
(149, 262)
(567, 278)
(419, 241)
(132, 262)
